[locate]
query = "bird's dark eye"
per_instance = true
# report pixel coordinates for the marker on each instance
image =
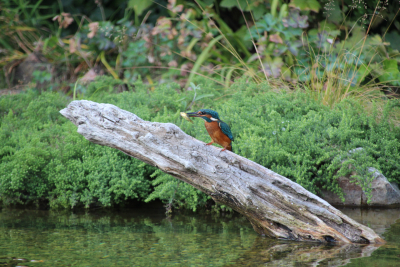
(201, 113)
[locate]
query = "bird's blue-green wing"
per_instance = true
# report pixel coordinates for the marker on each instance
(225, 129)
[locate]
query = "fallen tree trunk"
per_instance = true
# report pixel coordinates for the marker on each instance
(274, 205)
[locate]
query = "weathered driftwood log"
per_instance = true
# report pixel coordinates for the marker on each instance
(274, 205)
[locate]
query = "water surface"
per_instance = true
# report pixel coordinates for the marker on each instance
(146, 237)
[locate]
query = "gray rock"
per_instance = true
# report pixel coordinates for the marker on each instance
(384, 193)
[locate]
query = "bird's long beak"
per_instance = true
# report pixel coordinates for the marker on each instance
(193, 114)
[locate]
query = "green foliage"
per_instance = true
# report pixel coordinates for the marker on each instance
(309, 143)
(139, 6)
(391, 73)
(40, 77)
(135, 57)
(176, 193)
(317, 43)
(290, 133)
(292, 53)
(312, 5)
(88, 174)
(27, 133)
(42, 158)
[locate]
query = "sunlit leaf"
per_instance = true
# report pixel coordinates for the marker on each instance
(312, 5)
(391, 72)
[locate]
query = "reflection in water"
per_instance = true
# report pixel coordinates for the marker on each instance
(148, 238)
(302, 254)
(377, 219)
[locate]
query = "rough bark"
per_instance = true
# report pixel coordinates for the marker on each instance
(275, 206)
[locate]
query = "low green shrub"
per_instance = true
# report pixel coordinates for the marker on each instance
(42, 158)
(99, 175)
(302, 139)
(310, 143)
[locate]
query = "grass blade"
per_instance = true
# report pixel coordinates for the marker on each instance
(202, 57)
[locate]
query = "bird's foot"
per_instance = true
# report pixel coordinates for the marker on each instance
(210, 143)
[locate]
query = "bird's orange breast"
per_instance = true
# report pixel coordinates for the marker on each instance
(217, 135)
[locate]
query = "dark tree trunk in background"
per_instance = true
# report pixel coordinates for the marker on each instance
(275, 206)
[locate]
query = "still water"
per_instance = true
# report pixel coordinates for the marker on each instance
(146, 237)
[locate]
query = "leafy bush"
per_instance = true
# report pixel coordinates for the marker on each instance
(29, 129)
(89, 174)
(302, 139)
(176, 193)
(309, 143)
(42, 158)
(290, 133)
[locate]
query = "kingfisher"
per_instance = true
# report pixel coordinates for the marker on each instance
(218, 130)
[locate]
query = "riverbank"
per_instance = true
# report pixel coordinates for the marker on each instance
(44, 162)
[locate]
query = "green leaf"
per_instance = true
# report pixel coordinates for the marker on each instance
(203, 96)
(208, 2)
(234, 3)
(362, 72)
(259, 12)
(391, 72)
(228, 3)
(139, 5)
(6, 45)
(331, 28)
(274, 7)
(312, 5)
(203, 57)
(394, 39)
(334, 12)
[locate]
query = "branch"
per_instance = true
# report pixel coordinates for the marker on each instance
(275, 206)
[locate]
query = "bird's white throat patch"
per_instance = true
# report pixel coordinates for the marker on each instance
(213, 119)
